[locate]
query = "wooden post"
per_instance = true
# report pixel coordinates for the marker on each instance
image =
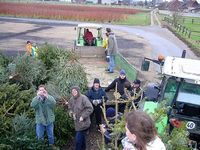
(186, 31)
(183, 30)
(180, 28)
(189, 34)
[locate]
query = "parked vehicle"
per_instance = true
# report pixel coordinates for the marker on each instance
(90, 46)
(180, 88)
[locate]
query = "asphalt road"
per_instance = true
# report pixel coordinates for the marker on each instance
(161, 40)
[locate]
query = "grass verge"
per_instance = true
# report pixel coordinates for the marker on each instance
(142, 19)
(194, 41)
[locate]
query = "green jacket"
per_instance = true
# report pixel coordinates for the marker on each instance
(44, 110)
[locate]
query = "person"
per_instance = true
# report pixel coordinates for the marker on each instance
(111, 117)
(88, 37)
(137, 91)
(80, 109)
(96, 96)
(120, 83)
(141, 133)
(29, 48)
(44, 105)
(111, 50)
(105, 43)
(35, 50)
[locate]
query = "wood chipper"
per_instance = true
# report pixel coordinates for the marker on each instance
(180, 91)
(89, 40)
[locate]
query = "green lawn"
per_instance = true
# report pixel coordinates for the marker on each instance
(137, 19)
(194, 25)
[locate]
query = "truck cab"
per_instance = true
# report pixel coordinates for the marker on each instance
(180, 89)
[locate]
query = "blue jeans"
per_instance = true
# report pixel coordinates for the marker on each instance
(111, 66)
(40, 129)
(80, 140)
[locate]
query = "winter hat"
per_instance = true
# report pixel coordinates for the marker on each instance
(137, 81)
(122, 72)
(108, 30)
(77, 89)
(110, 112)
(96, 80)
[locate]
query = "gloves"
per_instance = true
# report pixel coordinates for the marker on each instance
(95, 102)
(74, 116)
(81, 119)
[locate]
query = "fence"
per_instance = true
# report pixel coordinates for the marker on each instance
(122, 63)
(193, 21)
(184, 30)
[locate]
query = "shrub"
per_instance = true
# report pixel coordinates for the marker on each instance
(22, 135)
(49, 54)
(66, 75)
(27, 71)
(3, 70)
(64, 126)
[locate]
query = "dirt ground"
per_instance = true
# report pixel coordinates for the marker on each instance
(14, 35)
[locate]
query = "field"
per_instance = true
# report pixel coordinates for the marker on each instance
(142, 18)
(191, 24)
(66, 12)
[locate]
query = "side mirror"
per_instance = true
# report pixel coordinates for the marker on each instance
(145, 65)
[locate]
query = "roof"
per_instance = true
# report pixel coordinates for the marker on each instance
(182, 68)
(174, 5)
(89, 25)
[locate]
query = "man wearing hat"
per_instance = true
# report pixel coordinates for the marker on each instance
(120, 83)
(96, 96)
(80, 109)
(111, 50)
(137, 91)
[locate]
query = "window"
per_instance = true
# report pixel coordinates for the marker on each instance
(170, 90)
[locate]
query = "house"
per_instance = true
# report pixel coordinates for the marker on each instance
(190, 5)
(109, 2)
(175, 5)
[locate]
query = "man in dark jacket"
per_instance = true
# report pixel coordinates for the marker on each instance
(80, 109)
(137, 92)
(120, 82)
(96, 96)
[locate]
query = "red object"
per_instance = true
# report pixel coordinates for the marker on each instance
(175, 123)
(66, 12)
(88, 36)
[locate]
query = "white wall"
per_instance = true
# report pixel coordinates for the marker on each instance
(108, 1)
